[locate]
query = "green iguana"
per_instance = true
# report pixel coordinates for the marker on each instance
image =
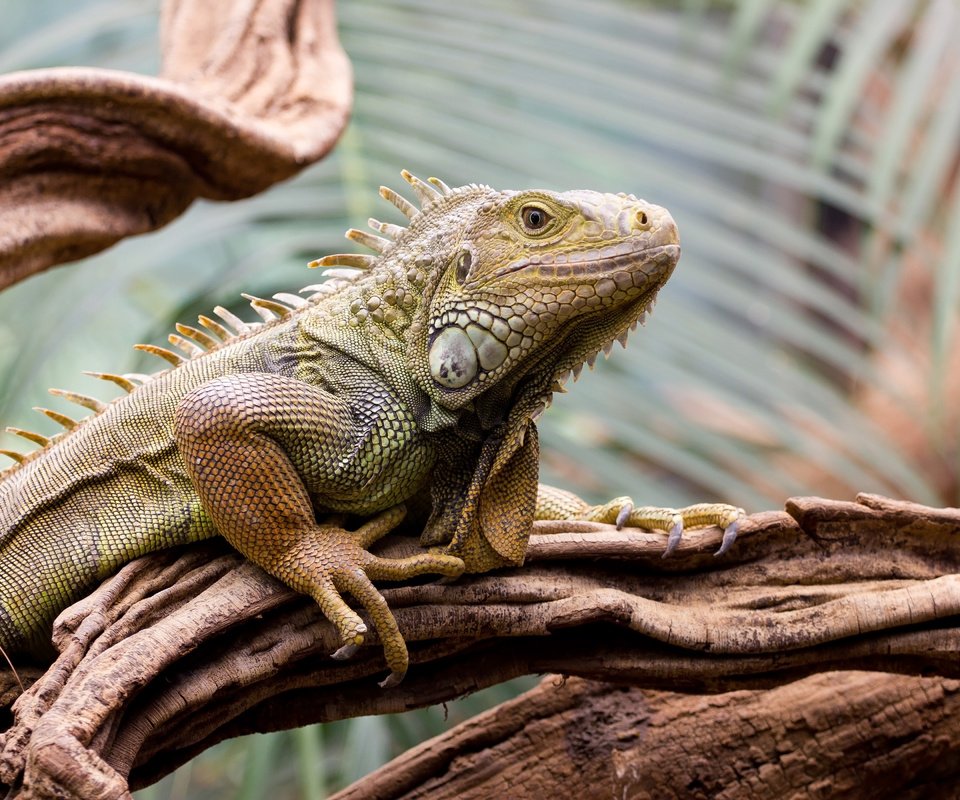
(414, 374)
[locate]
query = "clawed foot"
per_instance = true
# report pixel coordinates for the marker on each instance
(673, 521)
(331, 561)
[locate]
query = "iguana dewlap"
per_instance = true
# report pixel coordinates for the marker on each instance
(412, 374)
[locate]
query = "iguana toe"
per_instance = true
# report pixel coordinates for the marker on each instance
(673, 538)
(729, 536)
(345, 652)
(328, 562)
(553, 503)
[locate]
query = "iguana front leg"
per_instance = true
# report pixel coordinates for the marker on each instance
(256, 447)
(553, 503)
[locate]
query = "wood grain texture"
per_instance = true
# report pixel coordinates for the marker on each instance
(185, 648)
(836, 734)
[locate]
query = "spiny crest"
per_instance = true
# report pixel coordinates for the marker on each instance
(399, 281)
(428, 192)
(194, 342)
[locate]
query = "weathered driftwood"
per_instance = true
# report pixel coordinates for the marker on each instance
(248, 95)
(837, 734)
(183, 649)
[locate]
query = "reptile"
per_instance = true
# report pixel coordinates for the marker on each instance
(412, 376)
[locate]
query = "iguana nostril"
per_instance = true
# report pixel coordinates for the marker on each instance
(642, 218)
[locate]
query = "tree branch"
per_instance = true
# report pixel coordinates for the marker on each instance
(246, 98)
(834, 734)
(185, 648)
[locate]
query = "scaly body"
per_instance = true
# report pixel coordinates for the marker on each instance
(416, 375)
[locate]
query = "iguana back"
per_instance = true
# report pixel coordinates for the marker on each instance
(417, 374)
(113, 489)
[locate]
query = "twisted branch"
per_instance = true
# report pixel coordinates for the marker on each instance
(249, 94)
(182, 649)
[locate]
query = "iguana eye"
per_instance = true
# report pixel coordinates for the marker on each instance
(534, 218)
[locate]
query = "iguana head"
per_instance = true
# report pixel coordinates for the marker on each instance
(538, 283)
(491, 290)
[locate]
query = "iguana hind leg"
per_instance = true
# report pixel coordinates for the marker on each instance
(248, 441)
(553, 503)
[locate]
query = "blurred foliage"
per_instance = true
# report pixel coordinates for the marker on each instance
(808, 151)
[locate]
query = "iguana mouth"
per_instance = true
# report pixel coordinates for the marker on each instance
(622, 260)
(672, 249)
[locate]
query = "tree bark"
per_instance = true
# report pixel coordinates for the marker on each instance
(837, 735)
(248, 95)
(183, 649)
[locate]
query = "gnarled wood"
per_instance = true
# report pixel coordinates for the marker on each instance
(839, 734)
(248, 96)
(182, 649)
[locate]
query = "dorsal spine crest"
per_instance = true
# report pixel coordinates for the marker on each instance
(389, 299)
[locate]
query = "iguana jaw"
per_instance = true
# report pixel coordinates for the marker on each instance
(585, 338)
(588, 337)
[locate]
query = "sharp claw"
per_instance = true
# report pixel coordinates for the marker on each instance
(729, 537)
(345, 652)
(392, 680)
(624, 515)
(676, 533)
